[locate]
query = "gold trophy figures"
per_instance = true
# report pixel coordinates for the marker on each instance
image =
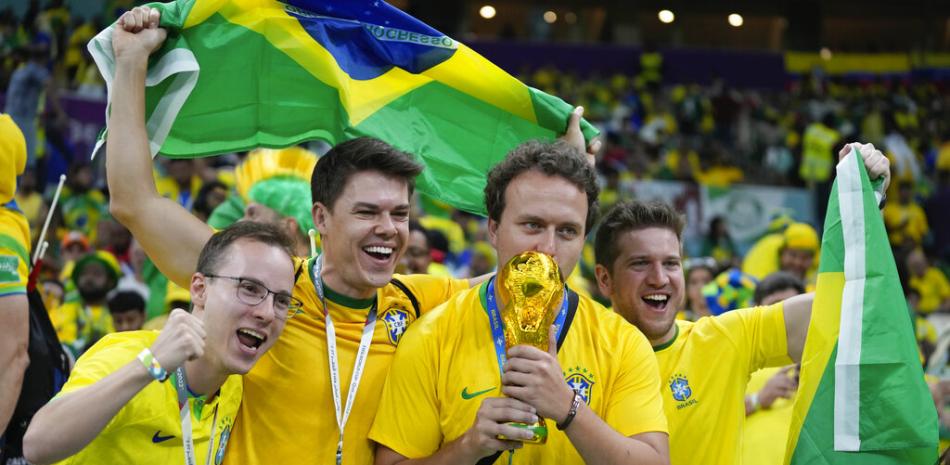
(531, 290)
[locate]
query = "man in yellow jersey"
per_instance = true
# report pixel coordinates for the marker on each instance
(150, 397)
(704, 366)
(332, 364)
(14, 271)
(597, 383)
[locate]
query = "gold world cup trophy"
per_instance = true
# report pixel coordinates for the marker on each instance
(531, 290)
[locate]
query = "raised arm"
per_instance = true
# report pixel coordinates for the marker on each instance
(797, 309)
(70, 422)
(171, 236)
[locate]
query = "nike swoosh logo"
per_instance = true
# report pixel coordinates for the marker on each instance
(467, 395)
(157, 438)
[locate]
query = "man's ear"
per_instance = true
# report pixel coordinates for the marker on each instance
(604, 280)
(321, 217)
(199, 291)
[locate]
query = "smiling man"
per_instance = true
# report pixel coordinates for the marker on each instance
(443, 402)
(704, 366)
(150, 397)
(333, 359)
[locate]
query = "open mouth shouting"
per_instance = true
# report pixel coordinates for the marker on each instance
(656, 301)
(250, 340)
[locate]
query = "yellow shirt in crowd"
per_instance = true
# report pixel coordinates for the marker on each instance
(147, 430)
(933, 287)
(766, 430)
(905, 223)
(78, 325)
(14, 252)
(288, 412)
(446, 365)
(703, 375)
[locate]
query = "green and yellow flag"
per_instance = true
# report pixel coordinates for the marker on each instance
(862, 396)
(238, 74)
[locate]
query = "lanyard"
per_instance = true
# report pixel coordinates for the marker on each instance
(498, 329)
(184, 411)
(365, 342)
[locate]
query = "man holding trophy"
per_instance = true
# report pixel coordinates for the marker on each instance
(476, 377)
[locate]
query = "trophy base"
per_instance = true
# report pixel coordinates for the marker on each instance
(540, 430)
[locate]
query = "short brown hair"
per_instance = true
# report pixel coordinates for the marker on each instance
(550, 158)
(630, 216)
(334, 169)
(218, 245)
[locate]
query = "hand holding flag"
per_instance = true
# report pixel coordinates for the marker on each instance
(862, 396)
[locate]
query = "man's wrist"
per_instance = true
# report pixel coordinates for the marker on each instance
(754, 401)
(576, 401)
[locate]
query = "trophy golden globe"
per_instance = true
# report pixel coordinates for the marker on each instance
(531, 290)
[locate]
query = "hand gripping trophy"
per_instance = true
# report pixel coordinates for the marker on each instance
(532, 292)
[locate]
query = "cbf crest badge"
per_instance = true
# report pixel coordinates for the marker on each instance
(397, 320)
(581, 381)
(681, 391)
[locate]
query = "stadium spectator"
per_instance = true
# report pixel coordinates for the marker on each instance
(699, 273)
(929, 282)
(117, 394)
(128, 311)
(639, 266)
(14, 271)
(905, 220)
(770, 393)
(82, 322)
(616, 425)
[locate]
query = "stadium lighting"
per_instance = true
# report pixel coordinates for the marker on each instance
(550, 17)
(825, 53)
(487, 12)
(666, 16)
(735, 20)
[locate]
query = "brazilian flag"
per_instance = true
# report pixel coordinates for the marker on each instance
(238, 74)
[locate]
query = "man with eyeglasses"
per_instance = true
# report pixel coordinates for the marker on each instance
(334, 358)
(150, 397)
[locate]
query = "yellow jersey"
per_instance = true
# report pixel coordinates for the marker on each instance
(446, 365)
(766, 430)
(817, 152)
(703, 373)
(933, 288)
(78, 325)
(905, 223)
(147, 430)
(14, 251)
(288, 414)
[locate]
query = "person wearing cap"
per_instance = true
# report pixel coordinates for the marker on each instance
(80, 323)
(73, 246)
(14, 271)
(704, 365)
(793, 250)
(164, 397)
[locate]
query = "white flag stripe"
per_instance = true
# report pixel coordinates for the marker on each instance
(848, 358)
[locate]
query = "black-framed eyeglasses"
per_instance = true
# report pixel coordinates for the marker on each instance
(251, 292)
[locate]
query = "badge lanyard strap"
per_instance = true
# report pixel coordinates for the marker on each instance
(184, 411)
(498, 329)
(365, 341)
